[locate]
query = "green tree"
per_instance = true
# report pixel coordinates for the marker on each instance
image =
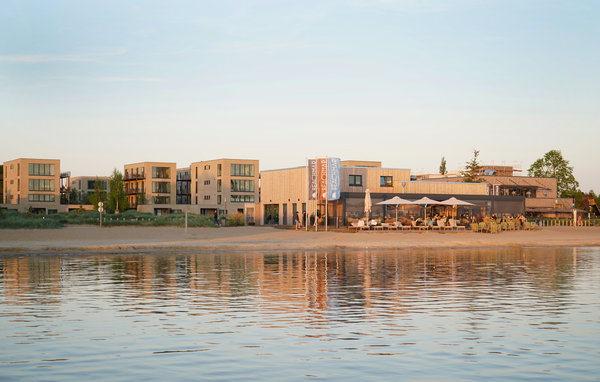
(73, 196)
(117, 200)
(553, 165)
(472, 169)
(99, 195)
(443, 169)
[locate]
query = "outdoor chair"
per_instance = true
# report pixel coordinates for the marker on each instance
(474, 227)
(418, 227)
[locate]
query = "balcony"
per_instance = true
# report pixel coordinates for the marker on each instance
(133, 176)
(134, 190)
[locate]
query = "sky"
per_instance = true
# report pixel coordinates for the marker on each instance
(98, 84)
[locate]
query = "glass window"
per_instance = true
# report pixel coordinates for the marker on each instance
(39, 169)
(218, 199)
(41, 184)
(161, 187)
(219, 185)
(41, 198)
(242, 169)
(242, 185)
(161, 172)
(219, 170)
(355, 180)
(386, 181)
(242, 198)
(161, 199)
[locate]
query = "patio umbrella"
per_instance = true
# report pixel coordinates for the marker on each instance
(455, 202)
(368, 203)
(425, 201)
(396, 201)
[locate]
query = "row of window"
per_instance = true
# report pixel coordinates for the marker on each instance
(161, 199)
(161, 172)
(242, 185)
(39, 169)
(41, 184)
(161, 187)
(91, 184)
(242, 169)
(242, 198)
(384, 181)
(41, 198)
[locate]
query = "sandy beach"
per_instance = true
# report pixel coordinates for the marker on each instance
(76, 239)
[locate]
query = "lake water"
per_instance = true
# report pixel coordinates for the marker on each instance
(504, 314)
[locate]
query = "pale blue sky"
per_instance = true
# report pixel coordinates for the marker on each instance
(99, 84)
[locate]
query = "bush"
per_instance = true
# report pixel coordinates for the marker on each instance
(236, 219)
(16, 220)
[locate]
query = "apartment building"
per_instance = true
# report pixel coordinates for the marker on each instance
(80, 188)
(32, 185)
(151, 186)
(224, 185)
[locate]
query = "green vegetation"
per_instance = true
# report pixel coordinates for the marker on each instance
(99, 195)
(443, 170)
(13, 219)
(553, 165)
(472, 169)
(117, 200)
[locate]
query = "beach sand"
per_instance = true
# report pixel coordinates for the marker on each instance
(77, 239)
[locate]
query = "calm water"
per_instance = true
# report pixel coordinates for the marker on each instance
(509, 314)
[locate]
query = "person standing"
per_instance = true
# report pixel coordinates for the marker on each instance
(216, 217)
(297, 220)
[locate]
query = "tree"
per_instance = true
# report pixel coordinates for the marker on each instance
(443, 169)
(73, 196)
(472, 169)
(553, 165)
(99, 195)
(117, 200)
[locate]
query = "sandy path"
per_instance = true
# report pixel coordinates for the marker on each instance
(75, 239)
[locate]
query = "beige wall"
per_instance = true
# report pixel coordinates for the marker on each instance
(205, 179)
(16, 184)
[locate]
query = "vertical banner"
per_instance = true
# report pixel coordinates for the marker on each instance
(333, 179)
(322, 178)
(313, 179)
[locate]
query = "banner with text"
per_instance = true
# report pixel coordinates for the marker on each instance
(324, 179)
(313, 179)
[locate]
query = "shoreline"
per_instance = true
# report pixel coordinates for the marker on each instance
(128, 240)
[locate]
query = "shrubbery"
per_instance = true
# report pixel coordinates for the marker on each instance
(14, 219)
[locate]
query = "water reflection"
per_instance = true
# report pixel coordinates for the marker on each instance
(322, 314)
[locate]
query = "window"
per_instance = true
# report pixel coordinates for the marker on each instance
(161, 199)
(242, 185)
(242, 198)
(242, 170)
(206, 182)
(39, 169)
(41, 198)
(91, 184)
(161, 187)
(219, 170)
(206, 197)
(41, 184)
(386, 181)
(161, 172)
(207, 167)
(355, 180)
(219, 199)
(219, 185)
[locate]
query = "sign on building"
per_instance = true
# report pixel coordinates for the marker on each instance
(324, 179)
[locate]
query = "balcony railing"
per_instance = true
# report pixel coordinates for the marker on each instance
(135, 176)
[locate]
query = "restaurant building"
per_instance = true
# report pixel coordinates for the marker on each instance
(285, 191)
(541, 196)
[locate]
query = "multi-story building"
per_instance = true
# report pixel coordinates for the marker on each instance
(1, 184)
(32, 185)
(224, 185)
(151, 186)
(80, 188)
(284, 192)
